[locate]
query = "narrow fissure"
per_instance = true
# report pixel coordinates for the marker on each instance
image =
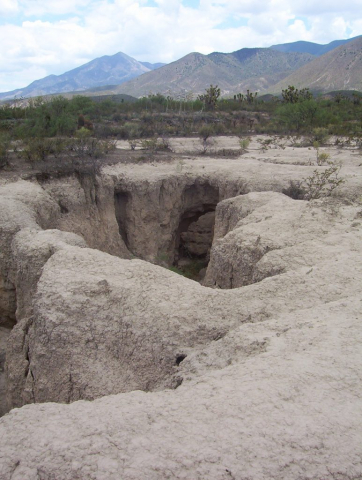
(193, 242)
(120, 205)
(195, 232)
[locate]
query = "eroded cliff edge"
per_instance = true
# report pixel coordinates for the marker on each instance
(258, 368)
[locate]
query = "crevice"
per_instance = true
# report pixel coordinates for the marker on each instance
(180, 358)
(63, 208)
(195, 231)
(7, 303)
(177, 381)
(121, 200)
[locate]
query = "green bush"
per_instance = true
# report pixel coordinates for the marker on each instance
(322, 183)
(37, 149)
(320, 135)
(155, 145)
(4, 150)
(322, 158)
(319, 184)
(84, 145)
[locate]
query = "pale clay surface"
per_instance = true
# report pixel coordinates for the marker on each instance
(257, 379)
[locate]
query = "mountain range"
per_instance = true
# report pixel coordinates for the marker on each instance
(337, 65)
(338, 69)
(106, 70)
(248, 68)
(315, 49)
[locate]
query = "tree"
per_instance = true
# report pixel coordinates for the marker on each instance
(293, 95)
(299, 115)
(210, 97)
(249, 98)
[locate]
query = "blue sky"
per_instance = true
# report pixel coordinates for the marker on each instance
(42, 37)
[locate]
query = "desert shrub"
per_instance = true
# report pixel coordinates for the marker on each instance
(205, 133)
(37, 149)
(226, 152)
(322, 183)
(117, 117)
(84, 145)
(219, 129)
(155, 144)
(322, 158)
(108, 146)
(147, 130)
(150, 144)
(59, 146)
(4, 150)
(244, 143)
(105, 130)
(82, 105)
(131, 131)
(320, 135)
(319, 184)
(89, 165)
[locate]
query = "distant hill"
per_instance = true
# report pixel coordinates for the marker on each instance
(248, 68)
(257, 69)
(339, 69)
(315, 49)
(106, 70)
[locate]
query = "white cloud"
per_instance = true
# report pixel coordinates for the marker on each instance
(53, 7)
(321, 7)
(42, 42)
(8, 7)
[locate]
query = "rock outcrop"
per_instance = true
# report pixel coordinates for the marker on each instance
(87, 209)
(197, 239)
(22, 205)
(103, 325)
(252, 242)
(150, 213)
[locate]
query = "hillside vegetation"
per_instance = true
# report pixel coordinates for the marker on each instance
(83, 128)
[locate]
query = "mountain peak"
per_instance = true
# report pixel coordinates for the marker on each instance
(105, 70)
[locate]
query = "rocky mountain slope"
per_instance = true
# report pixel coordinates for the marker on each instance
(257, 69)
(315, 49)
(248, 68)
(339, 69)
(106, 70)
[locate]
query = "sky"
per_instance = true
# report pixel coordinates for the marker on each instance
(43, 37)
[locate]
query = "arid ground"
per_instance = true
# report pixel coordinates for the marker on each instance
(115, 365)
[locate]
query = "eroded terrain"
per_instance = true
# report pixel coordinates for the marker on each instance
(249, 371)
